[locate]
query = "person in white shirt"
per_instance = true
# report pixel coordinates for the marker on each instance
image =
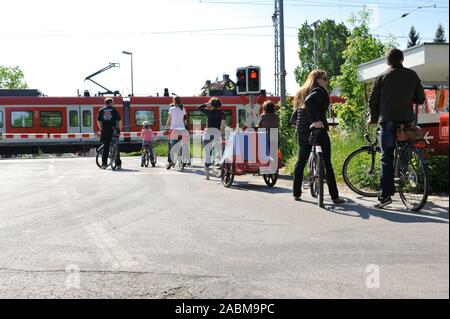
(177, 122)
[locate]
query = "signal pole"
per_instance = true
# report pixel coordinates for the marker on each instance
(282, 63)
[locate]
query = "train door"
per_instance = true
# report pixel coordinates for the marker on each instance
(2, 119)
(86, 119)
(74, 119)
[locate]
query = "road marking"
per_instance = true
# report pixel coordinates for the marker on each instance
(112, 251)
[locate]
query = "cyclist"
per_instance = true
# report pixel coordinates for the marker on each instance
(108, 120)
(216, 122)
(177, 122)
(147, 140)
(391, 99)
(312, 102)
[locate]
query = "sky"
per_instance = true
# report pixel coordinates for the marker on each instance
(177, 44)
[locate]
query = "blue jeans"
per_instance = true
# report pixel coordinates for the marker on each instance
(149, 149)
(388, 142)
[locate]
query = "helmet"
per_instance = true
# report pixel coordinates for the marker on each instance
(146, 123)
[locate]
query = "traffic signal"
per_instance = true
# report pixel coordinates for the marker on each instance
(248, 80)
(241, 80)
(254, 80)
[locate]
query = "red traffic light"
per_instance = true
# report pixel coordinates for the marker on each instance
(253, 74)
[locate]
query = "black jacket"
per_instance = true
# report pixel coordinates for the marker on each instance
(316, 107)
(393, 94)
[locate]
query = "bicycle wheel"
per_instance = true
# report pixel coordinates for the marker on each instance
(412, 178)
(146, 159)
(362, 171)
(155, 159)
(113, 155)
(320, 178)
(270, 179)
(98, 156)
(227, 174)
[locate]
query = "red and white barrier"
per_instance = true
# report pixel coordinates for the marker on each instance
(20, 136)
(65, 136)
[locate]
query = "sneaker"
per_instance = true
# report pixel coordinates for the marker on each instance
(142, 165)
(383, 202)
(338, 200)
(297, 198)
(119, 166)
(169, 165)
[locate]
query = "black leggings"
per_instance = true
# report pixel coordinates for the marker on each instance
(304, 149)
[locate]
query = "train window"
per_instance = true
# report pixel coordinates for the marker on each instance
(73, 118)
(228, 117)
(197, 116)
(144, 115)
(164, 117)
(87, 118)
(242, 117)
(50, 118)
(22, 119)
(1, 119)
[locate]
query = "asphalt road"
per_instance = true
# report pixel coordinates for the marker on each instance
(71, 230)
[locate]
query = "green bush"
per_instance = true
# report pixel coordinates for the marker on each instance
(287, 141)
(438, 166)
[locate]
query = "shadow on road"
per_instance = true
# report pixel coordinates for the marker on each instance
(248, 186)
(431, 214)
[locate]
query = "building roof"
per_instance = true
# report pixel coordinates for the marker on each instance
(429, 60)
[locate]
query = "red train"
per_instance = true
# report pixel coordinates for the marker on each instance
(68, 124)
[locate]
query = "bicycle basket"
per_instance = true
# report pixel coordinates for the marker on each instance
(408, 133)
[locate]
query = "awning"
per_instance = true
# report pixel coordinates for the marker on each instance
(429, 60)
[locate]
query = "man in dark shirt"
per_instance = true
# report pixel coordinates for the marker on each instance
(391, 104)
(108, 120)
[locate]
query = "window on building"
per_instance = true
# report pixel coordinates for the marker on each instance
(73, 118)
(87, 118)
(1, 119)
(144, 115)
(50, 118)
(22, 119)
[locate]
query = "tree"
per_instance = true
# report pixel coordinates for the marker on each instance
(440, 35)
(12, 78)
(325, 53)
(361, 47)
(413, 37)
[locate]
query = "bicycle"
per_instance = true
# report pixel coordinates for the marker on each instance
(215, 168)
(316, 168)
(113, 152)
(178, 157)
(362, 170)
(146, 157)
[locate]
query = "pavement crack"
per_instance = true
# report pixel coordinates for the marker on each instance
(110, 272)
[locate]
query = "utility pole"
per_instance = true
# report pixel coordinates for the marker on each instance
(282, 66)
(277, 48)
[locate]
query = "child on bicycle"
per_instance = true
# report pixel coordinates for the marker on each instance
(147, 140)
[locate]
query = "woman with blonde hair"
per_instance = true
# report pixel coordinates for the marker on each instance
(311, 104)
